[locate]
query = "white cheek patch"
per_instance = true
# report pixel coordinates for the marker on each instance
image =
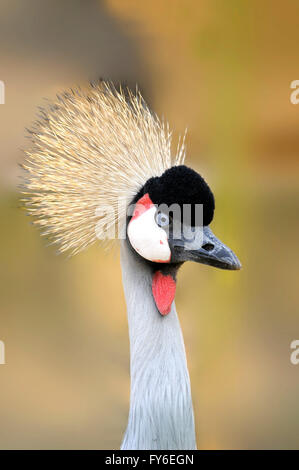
(147, 238)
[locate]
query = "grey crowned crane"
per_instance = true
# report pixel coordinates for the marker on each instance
(101, 159)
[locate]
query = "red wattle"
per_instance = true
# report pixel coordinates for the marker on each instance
(163, 288)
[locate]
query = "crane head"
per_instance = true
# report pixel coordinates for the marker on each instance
(95, 150)
(169, 225)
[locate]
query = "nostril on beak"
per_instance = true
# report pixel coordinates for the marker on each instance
(208, 247)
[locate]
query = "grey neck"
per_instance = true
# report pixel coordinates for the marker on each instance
(161, 412)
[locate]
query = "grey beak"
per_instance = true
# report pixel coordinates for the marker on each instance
(199, 244)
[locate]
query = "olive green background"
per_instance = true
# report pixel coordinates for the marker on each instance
(222, 69)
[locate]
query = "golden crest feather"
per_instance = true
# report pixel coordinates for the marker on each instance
(92, 150)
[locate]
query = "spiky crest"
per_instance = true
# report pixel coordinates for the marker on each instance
(91, 150)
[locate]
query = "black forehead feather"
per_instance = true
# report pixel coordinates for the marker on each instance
(180, 185)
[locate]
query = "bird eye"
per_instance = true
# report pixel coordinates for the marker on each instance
(162, 219)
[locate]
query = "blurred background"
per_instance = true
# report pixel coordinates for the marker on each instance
(223, 69)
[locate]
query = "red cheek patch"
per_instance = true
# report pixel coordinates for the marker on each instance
(163, 288)
(142, 205)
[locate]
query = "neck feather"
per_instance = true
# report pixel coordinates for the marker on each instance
(161, 413)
